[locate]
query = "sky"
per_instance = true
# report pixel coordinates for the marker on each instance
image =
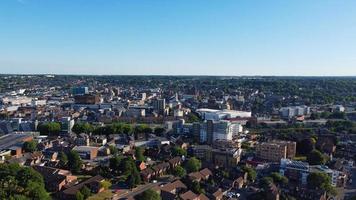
(178, 37)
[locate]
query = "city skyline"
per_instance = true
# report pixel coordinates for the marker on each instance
(229, 38)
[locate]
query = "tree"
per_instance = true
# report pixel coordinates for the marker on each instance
(251, 173)
(74, 161)
(30, 146)
(127, 129)
(50, 128)
(196, 187)
(114, 163)
(139, 154)
(316, 158)
(113, 150)
(79, 196)
(191, 118)
(179, 171)
(279, 179)
(148, 195)
(193, 165)
(130, 170)
(159, 131)
(82, 128)
(320, 181)
(305, 146)
(178, 151)
(21, 183)
(63, 159)
(85, 191)
(265, 182)
(105, 184)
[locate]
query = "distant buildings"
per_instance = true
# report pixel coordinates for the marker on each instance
(294, 111)
(87, 99)
(276, 150)
(212, 114)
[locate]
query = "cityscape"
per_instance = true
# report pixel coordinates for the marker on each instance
(177, 137)
(177, 100)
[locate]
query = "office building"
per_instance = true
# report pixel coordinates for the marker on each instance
(80, 91)
(159, 105)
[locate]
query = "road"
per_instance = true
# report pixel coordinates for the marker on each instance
(128, 193)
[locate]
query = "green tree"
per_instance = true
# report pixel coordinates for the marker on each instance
(74, 161)
(139, 154)
(193, 165)
(191, 118)
(50, 128)
(30, 146)
(114, 164)
(63, 159)
(179, 171)
(148, 195)
(279, 179)
(105, 184)
(159, 131)
(316, 158)
(127, 129)
(320, 181)
(113, 150)
(129, 169)
(82, 128)
(178, 151)
(79, 196)
(85, 191)
(18, 182)
(306, 146)
(251, 173)
(265, 182)
(196, 187)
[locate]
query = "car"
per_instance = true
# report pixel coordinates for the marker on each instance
(154, 181)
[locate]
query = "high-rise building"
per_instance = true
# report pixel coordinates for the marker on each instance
(159, 105)
(80, 91)
(218, 130)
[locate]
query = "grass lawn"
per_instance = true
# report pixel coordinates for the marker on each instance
(107, 194)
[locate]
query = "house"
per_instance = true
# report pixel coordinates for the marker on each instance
(171, 190)
(174, 162)
(141, 165)
(203, 174)
(147, 174)
(192, 196)
(86, 152)
(55, 179)
(218, 195)
(160, 169)
(93, 183)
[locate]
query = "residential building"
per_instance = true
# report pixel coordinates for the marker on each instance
(276, 150)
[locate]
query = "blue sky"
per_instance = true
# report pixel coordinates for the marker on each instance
(178, 37)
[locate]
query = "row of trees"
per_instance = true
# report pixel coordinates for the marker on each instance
(115, 128)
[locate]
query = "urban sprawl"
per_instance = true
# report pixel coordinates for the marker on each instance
(177, 137)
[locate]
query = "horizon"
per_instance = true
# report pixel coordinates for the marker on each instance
(179, 38)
